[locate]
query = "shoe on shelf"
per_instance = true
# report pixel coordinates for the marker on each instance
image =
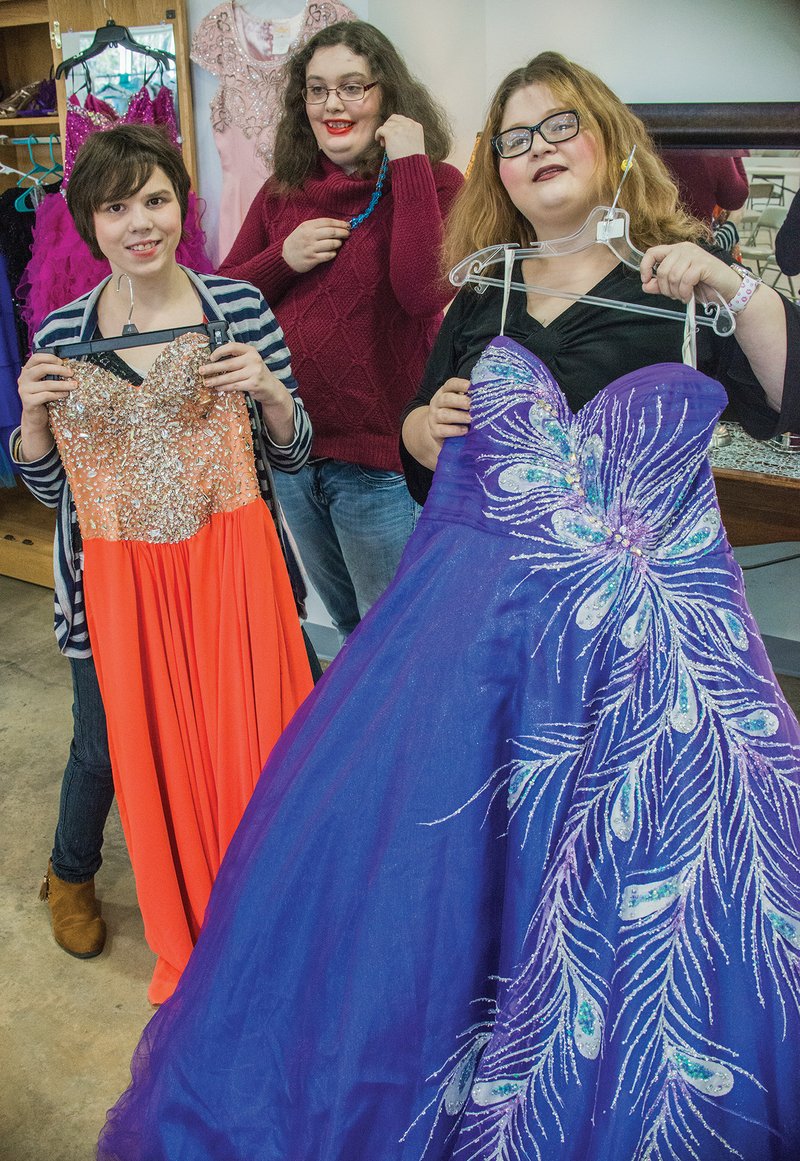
(13, 105)
(74, 915)
(43, 102)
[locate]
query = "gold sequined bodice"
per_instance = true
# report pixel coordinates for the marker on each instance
(154, 462)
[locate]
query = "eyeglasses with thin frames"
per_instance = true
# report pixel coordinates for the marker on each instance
(318, 94)
(554, 129)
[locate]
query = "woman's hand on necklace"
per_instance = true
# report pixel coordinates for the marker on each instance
(315, 241)
(400, 136)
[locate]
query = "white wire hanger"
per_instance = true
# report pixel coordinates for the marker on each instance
(606, 225)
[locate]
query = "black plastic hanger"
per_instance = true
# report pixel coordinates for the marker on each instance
(216, 332)
(111, 34)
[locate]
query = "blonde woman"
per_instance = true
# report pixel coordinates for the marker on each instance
(521, 880)
(551, 150)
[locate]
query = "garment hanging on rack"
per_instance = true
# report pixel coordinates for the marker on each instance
(522, 878)
(247, 54)
(194, 632)
(61, 267)
(16, 240)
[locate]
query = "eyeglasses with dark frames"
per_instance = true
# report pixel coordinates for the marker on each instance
(352, 91)
(554, 129)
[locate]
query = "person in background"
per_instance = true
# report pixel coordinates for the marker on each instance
(173, 601)
(787, 240)
(707, 178)
(343, 241)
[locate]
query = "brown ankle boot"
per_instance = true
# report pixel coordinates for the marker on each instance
(74, 914)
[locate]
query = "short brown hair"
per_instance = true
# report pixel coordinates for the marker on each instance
(114, 165)
(296, 147)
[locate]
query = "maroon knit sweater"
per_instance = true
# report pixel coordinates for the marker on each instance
(360, 327)
(706, 180)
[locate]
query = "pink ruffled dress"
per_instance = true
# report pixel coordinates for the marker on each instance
(61, 266)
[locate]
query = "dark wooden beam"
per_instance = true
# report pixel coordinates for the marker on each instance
(750, 125)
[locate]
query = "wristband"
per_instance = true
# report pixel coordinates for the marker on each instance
(750, 282)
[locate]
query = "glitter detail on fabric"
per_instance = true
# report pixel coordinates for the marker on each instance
(684, 799)
(155, 462)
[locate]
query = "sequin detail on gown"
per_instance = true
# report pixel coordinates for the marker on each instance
(154, 464)
(191, 617)
(543, 815)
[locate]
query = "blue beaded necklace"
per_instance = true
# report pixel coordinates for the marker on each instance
(376, 196)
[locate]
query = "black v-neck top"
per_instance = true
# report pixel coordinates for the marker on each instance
(588, 346)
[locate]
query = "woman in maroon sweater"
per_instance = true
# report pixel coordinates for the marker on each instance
(343, 242)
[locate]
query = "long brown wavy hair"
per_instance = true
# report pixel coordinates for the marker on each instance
(296, 147)
(484, 215)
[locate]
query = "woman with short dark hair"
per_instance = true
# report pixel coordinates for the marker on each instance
(171, 586)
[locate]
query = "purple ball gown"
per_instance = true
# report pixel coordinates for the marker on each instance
(522, 878)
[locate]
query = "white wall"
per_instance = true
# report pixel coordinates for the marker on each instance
(443, 44)
(647, 50)
(658, 50)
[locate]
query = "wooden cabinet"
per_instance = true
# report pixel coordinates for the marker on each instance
(26, 55)
(31, 34)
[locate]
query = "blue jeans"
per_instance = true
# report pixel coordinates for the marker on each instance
(87, 788)
(351, 525)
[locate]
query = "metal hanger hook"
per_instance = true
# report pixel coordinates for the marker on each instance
(129, 328)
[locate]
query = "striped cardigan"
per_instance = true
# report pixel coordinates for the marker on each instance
(249, 320)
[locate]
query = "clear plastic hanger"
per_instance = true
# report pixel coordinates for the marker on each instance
(608, 226)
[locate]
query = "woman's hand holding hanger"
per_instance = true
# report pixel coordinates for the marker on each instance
(239, 367)
(43, 379)
(679, 270)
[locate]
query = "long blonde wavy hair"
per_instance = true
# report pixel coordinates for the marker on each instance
(484, 215)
